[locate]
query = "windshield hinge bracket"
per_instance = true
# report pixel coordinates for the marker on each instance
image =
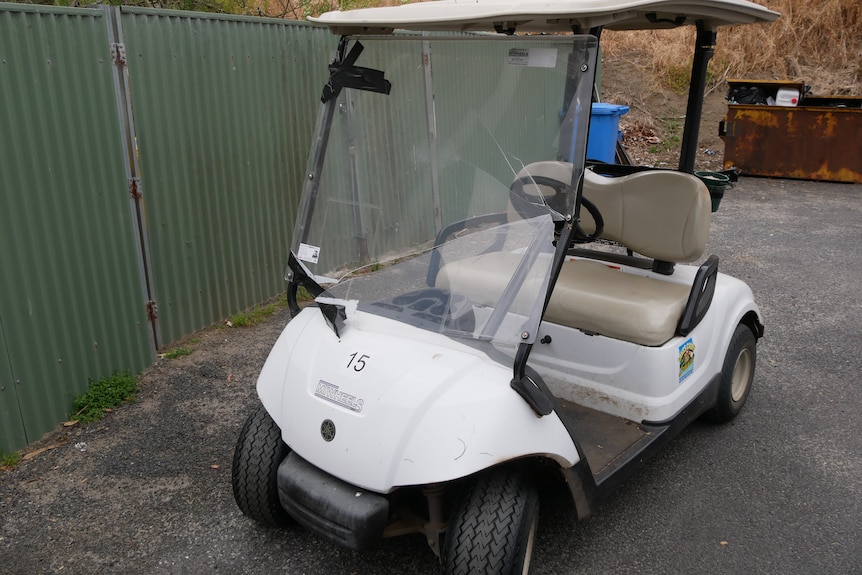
(529, 384)
(298, 275)
(535, 395)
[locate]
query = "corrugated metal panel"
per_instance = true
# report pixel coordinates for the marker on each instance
(224, 111)
(12, 431)
(72, 305)
(806, 142)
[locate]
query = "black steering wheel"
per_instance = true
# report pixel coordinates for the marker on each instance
(526, 204)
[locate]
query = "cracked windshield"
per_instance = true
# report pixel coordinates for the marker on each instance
(419, 210)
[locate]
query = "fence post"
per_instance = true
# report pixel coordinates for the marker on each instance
(131, 161)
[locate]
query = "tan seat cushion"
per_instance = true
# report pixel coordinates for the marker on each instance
(663, 215)
(660, 214)
(589, 296)
(596, 298)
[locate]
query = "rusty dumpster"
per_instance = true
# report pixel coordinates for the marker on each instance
(818, 139)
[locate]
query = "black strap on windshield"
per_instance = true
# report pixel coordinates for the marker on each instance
(343, 73)
(298, 275)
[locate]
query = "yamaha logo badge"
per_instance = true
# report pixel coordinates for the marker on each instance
(327, 430)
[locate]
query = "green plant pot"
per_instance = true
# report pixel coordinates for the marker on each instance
(717, 183)
(716, 196)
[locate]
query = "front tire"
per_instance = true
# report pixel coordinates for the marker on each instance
(259, 451)
(737, 373)
(493, 528)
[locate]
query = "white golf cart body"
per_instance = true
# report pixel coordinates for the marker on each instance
(461, 321)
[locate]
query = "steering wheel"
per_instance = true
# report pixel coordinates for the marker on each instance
(526, 204)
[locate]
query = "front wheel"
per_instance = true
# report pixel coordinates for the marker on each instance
(259, 451)
(737, 373)
(493, 528)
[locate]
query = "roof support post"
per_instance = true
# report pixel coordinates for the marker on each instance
(703, 52)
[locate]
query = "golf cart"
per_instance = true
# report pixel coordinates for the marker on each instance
(493, 319)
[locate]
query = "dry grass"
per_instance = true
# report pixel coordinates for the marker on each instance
(815, 41)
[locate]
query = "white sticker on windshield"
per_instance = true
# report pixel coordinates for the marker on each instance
(533, 57)
(308, 253)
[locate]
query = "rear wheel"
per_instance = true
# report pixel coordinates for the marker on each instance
(493, 528)
(259, 451)
(737, 373)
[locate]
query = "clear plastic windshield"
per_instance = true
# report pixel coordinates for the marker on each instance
(417, 206)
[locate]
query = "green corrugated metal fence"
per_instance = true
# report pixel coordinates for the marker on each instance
(71, 301)
(224, 110)
(220, 119)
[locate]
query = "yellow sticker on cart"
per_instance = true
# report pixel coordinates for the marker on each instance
(686, 360)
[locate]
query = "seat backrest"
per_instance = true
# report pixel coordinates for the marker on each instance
(660, 214)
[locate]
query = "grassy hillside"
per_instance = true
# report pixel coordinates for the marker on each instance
(816, 41)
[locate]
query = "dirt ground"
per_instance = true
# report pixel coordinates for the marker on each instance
(110, 493)
(652, 128)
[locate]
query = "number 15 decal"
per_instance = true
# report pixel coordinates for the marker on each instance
(357, 361)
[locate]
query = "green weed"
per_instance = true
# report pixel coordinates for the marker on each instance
(10, 459)
(303, 295)
(678, 78)
(102, 395)
(672, 132)
(177, 352)
(260, 313)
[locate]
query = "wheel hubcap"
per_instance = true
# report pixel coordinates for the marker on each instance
(741, 375)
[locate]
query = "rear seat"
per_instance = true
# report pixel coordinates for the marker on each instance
(661, 215)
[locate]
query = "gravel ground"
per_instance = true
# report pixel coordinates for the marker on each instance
(147, 490)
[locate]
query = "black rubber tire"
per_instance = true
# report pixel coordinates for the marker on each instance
(737, 373)
(259, 451)
(493, 527)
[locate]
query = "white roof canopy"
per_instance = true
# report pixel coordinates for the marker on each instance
(545, 15)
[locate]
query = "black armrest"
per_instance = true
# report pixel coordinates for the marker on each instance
(700, 297)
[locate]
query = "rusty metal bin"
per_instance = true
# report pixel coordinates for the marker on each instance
(820, 139)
